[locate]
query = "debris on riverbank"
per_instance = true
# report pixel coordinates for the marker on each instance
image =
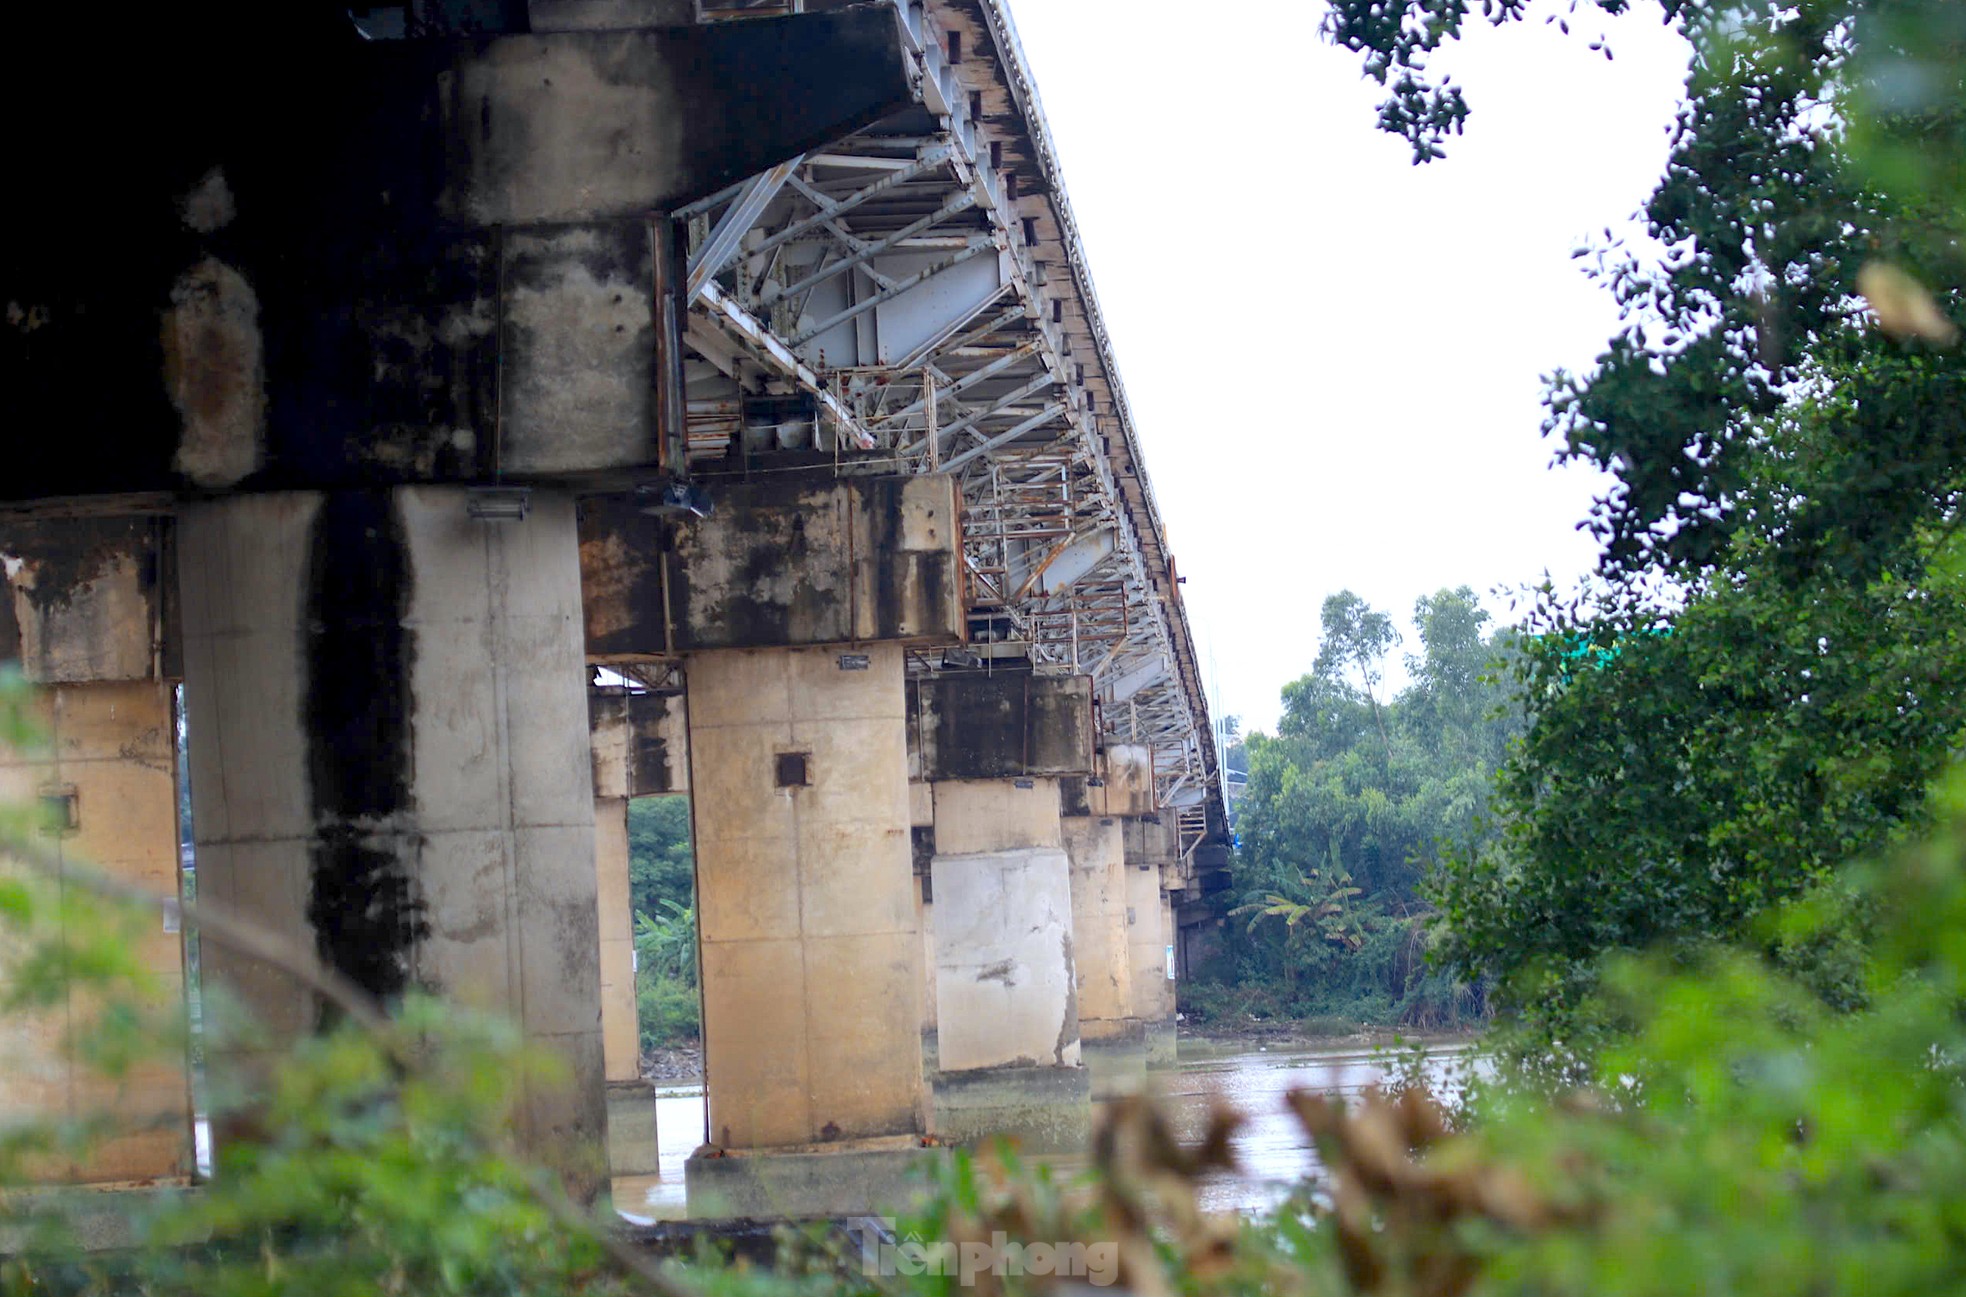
(674, 1064)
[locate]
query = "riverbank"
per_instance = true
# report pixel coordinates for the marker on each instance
(1214, 1040)
(674, 1064)
(683, 1064)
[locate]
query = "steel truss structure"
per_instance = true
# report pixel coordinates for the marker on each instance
(915, 298)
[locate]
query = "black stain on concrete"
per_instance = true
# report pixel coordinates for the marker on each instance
(651, 770)
(376, 301)
(356, 715)
(1003, 723)
(63, 555)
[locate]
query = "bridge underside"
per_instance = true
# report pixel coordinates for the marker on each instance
(527, 407)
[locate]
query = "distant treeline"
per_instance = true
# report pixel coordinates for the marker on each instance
(1343, 816)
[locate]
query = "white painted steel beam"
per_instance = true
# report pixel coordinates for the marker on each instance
(1126, 686)
(727, 237)
(1031, 424)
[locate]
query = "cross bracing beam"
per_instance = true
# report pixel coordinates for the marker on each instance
(736, 222)
(976, 247)
(1038, 420)
(1001, 405)
(831, 211)
(956, 387)
(749, 330)
(954, 207)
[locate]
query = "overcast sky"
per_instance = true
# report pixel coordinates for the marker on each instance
(1334, 357)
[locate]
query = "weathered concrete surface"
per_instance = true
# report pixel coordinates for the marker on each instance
(1122, 785)
(999, 725)
(578, 388)
(1043, 1109)
(632, 1144)
(620, 1022)
(85, 599)
(601, 15)
(1148, 934)
(779, 564)
(306, 288)
(1006, 1031)
(1105, 964)
(640, 742)
(806, 899)
(1161, 1034)
(555, 127)
(391, 763)
(1150, 841)
(975, 816)
(111, 764)
(927, 912)
(862, 1178)
(1004, 969)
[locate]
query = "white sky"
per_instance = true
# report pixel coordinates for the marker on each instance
(1334, 356)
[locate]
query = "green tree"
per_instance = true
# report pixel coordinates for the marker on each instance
(1346, 807)
(1685, 773)
(661, 866)
(1765, 678)
(1356, 639)
(662, 889)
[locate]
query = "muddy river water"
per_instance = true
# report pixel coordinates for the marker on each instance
(1271, 1148)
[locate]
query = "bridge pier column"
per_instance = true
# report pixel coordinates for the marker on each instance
(82, 616)
(1114, 1042)
(390, 763)
(111, 771)
(638, 741)
(811, 950)
(1007, 1002)
(1150, 851)
(633, 1144)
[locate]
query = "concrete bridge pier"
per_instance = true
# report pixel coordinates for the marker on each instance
(632, 1142)
(1152, 850)
(791, 605)
(1007, 1002)
(390, 763)
(639, 741)
(811, 953)
(1097, 812)
(82, 614)
(993, 750)
(1114, 1041)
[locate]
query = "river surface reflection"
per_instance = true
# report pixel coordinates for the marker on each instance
(1271, 1150)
